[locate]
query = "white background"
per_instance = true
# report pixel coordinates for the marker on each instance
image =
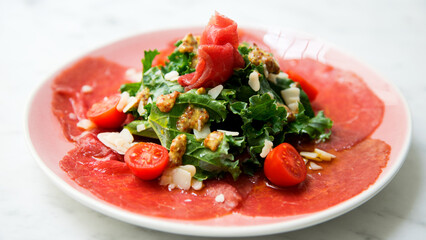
(38, 37)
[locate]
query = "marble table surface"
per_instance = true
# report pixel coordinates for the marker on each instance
(39, 36)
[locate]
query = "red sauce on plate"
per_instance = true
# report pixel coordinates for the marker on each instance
(344, 97)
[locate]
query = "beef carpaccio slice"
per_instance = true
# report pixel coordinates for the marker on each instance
(102, 171)
(355, 110)
(350, 173)
(70, 102)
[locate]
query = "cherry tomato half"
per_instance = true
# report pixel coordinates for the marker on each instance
(310, 90)
(104, 113)
(284, 166)
(147, 160)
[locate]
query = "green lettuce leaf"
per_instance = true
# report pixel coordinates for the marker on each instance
(131, 88)
(262, 119)
(284, 83)
(180, 62)
(148, 58)
(147, 132)
(157, 84)
(216, 108)
(317, 128)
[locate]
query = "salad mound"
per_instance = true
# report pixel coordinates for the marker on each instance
(218, 107)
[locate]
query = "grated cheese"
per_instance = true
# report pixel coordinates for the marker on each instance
(196, 185)
(229, 133)
(254, 81)
(86, 89)
(318, 155)
(310, 155)
(117, 141)
(172, 76)
(86, 124)
(180, 177)
(273, 77)
(141, 108)
(126, 135)
(220, 198)
(267, 147)
(293, 106)
(189, 168)
(265, 71)
(291, 98)
(323, 155)
(131, 102)
(140, 127)
(72, 116)
(214, 92)
(123, 101)
(205, 131)
(314, 166)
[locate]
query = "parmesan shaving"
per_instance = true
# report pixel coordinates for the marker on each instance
(205, 131)
(86, 124)
(314, 166)
(131, 103)
(273, 77)
(254, 81)
(323, 155)
(86, 89)
(117, 141)
(267, 147)
(310, 155)
(220, 198)
(123, 101)
(141, 108)
(180, 177)
(172, 76)
(140, 127)
(214, 92)
(229, 133)
(196, 185)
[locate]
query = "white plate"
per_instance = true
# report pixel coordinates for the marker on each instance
(48, 144)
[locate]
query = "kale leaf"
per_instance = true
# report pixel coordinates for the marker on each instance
(148, 58)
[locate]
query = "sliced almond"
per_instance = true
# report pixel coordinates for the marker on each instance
(324, 155)
(310, 155)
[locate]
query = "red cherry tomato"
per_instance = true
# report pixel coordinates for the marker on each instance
(310, 90)
(147, 160)
(284, 166)
(104, 113)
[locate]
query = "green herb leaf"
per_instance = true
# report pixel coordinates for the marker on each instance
(131, 88)
(262, 119)
(154, 80)
(317, 128)
(147, 132)
(216, 108)
(148, 58)
(180, 62)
